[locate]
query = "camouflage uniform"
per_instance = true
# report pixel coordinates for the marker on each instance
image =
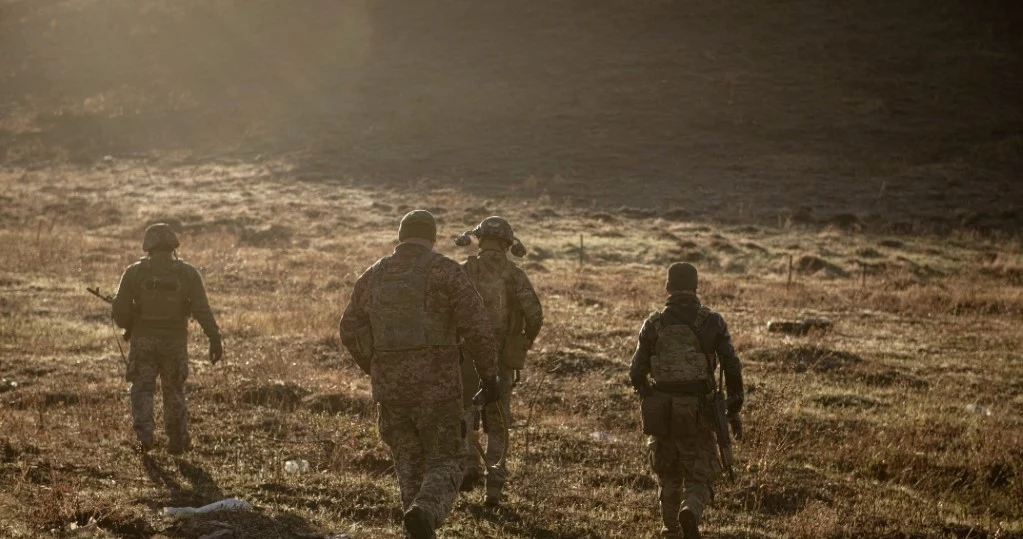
(686, 461)
(418, 390)
(159, 341)
(522, 316)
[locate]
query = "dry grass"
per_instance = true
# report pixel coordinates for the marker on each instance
(285, 142)
(901, 422)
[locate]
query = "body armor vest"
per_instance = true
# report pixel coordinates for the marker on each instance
(162, 295)
(678, 355)
(398, 314)
(493, 286)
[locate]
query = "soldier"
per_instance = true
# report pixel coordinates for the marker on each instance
(156, 296)
(516, 317)
(673, 370)
(402, 326)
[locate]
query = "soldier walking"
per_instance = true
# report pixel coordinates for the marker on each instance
(680, 347)
(516, 316)
(156, 296)
(402, 326)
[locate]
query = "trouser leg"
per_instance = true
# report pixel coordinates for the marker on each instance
(440, 429)
(174, 372)
(701, 470)
(143, 375)
(669, 494)
(664, 459)
(401, 436)
(472, 465)
(499, 418)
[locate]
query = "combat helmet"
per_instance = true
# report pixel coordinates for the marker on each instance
(494, 227)
(160, 236)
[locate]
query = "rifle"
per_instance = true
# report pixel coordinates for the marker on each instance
(109, 299)
(721, 422)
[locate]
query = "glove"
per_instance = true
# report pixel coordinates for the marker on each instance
(216, 349)
(643, 390)
(734, 406)
(490, 390)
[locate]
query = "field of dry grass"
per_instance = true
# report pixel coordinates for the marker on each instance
(874, 144)
(904, 421)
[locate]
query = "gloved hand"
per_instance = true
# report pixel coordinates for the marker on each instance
(643, 390)
(490, 390)
(733, 406)
(216, 349)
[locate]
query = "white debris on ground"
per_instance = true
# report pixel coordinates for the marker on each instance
(229, 504)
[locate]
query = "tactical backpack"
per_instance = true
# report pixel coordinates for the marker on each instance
(497, 288)
(162, 293)
(398, 315)
(678, 355)
(678, 362)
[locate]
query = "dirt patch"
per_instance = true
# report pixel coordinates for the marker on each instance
(894, 378)
(272, 236)
(806, 357)
(604, 217)
(677, 214)
(868, 252)
(636, 213)
(755, 247)
(572, 362)
(815, 265)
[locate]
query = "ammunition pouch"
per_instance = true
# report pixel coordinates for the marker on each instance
(688, 416)
(656, 413)
(514, 354)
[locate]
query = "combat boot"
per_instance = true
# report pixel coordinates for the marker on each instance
(687, 519)
(417, 524)
(175, 447)
(493, 498)
(144, 445)
(470, 481)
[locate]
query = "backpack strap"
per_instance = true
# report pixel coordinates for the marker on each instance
(472, 267)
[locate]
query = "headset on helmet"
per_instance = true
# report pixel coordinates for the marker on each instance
(494, 227)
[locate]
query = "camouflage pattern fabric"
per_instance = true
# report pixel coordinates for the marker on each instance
(129, 294)
(686, 463)
(528, 305)
(715, 340)
(420, 391)
(165, 358)
(426, 444)
(430, 374)
(495, 448)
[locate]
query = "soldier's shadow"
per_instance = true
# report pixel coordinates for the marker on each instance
(505, 515)
(188, 484)
(199, 489)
